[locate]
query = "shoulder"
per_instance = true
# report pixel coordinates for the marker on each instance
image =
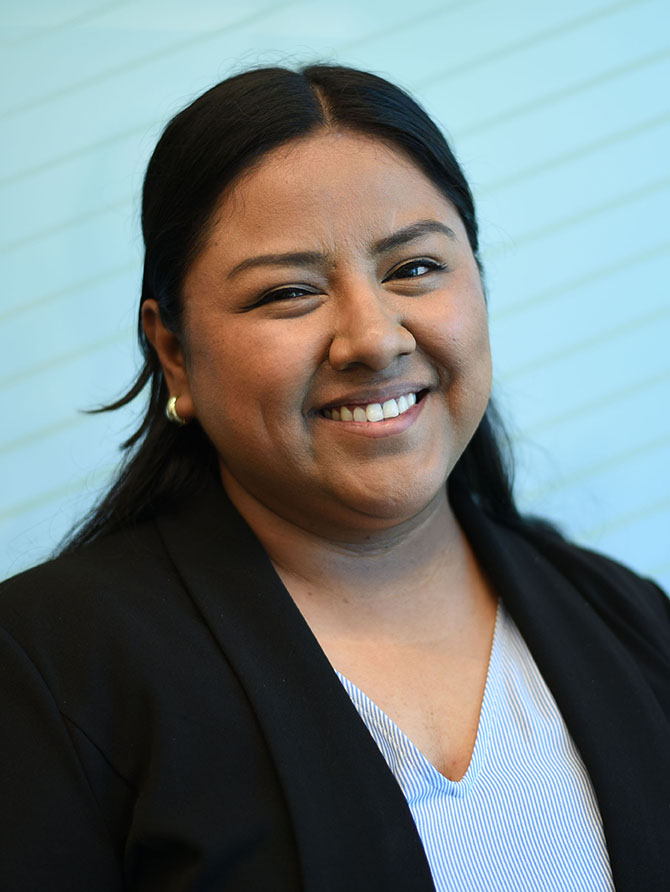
(109, 602)
(124, 592)
(110, 570)
(111, 636)
(583, 615)
(551, 580)
(610, 587)
(605, 609)
(532, 552)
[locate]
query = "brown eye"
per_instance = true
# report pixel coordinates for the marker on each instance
(414, 269)
(291, 292)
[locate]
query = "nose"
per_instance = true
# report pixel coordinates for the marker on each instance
(368, 331)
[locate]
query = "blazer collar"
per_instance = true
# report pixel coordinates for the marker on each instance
(605, 700)
(353, 827)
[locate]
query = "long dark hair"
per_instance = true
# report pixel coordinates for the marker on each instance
(202, 151)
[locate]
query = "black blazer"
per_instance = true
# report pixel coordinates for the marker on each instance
(170, 723)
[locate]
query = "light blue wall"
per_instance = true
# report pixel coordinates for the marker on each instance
(559, 113)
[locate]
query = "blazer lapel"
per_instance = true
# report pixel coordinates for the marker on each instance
(606, 702)
(353, 827)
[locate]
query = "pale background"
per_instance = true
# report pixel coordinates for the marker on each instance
(559, 114)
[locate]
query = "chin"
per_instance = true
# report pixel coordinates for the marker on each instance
(395, 505)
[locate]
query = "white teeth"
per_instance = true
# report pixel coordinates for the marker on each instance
(373, 412)
(390, 409)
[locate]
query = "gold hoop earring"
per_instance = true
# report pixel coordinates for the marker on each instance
(172, 414)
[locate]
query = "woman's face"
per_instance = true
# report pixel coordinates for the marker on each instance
(337, 284)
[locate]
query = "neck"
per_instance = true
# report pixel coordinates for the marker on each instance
(400, 579)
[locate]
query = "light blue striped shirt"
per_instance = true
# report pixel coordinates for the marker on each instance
(524, 817)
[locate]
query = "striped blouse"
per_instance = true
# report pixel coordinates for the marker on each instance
(524, 817)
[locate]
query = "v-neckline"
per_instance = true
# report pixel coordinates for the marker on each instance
(415, 773)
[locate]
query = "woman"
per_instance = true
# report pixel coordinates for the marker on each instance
(325, 492)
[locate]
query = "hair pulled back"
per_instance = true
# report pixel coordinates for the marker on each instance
(202, 151)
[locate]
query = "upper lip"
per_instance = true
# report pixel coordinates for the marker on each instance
(378, 394)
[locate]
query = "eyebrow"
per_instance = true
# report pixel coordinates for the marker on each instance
(313, 258)
(409, 233)
(294, 258)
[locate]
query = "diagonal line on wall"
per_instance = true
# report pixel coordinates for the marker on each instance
(542, 102)
(47, 365)
(81, 19)
(48, 430)
(601, 402)
(93, 479)
(61, 294)
(574, 154)
(573, 219)
(590, 470)
(511, 49)
(194, 40)
(443, 10)
(527, 368)
(143, 130)
(558, 291)
(628, 519)
(38, 234)
(660, 570)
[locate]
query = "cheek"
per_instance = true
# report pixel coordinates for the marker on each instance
(458, 340)
(479, 351)
(474, 363)
(247, 387)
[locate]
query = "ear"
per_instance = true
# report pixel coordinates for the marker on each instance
(171, 355)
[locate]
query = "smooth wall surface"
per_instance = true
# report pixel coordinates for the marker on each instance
(560, 116)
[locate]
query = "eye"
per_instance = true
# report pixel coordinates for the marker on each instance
(287, 293)
(414, 269)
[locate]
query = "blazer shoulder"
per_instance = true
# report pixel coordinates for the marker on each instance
(635, 607)
(607, 579)
(109, 576)
(537, 550)
(113, 617)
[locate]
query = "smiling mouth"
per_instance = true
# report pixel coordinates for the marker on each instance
(374, 412)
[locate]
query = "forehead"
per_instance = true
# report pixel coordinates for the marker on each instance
(330, 188)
